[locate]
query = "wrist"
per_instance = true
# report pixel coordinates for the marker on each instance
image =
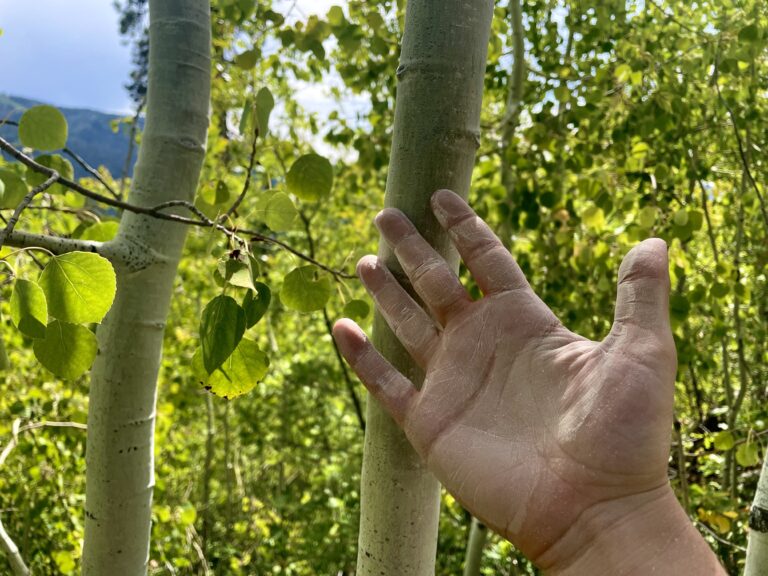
(642, 534)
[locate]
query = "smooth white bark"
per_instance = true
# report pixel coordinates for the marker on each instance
(121, 416)
(757, 547)
(8, 546)
(478, 534)
(436, 134)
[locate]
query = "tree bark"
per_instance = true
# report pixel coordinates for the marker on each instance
(121, 416)
(478, 533)
(436, 135)
(757, 547)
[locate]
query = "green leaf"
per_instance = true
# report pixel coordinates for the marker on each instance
(719, 290)
(622, 72)
(68, 350)
(29, 310)
(661, 172)
(65, 561)
(749, 34)
(43, 128)
(79, 287)
(681, 217)
(265, 103)
(310, 177)
(335, 16)
(248, 59)
(245, 117)
(280, 213)
(306, 289)
(5, 364)
(723, 440)
(14, 189)
(221, 328)
(747, 454)
(679, 306)
(237, 273)
(646, 218)
(101, 231)
(594, 218)
(238, 375)
(54, 162)
(256, 303)
(357, 310)
(695, 219)
(216, 195)
(188, 515)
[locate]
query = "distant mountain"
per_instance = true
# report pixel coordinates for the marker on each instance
(90, 134)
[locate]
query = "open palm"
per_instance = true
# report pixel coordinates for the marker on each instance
(529, 425)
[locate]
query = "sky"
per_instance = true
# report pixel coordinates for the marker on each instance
(68, 52)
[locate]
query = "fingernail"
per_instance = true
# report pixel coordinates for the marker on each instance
(445, 203)
(393, 224)
(368, 262)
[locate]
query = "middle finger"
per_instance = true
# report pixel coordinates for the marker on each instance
(430, 274)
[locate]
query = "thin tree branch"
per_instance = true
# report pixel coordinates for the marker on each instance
(345, 373)
(720, 539)
(60, 245)
(53, 178)
(742, 149)
(77, 158)
(131, 146)
(329, 327)
(8, 546)
(91, 170)
(247, 184)
(17, 428)
(153, 212)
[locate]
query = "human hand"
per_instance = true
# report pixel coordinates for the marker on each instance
(545, 436)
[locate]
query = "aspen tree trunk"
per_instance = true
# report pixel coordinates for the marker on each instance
(757, 548)
(121, 415)
(478, 533)
(436, 135)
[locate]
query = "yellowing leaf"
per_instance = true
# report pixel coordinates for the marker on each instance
(594, 218)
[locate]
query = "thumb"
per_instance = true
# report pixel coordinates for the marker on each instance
(642, 300)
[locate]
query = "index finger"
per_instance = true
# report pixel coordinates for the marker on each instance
(490, 263)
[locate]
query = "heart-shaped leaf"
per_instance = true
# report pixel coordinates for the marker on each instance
(79, 286)
(221, 328)
(238, 375)
(68, 350)
(306, 289)
(29, 309)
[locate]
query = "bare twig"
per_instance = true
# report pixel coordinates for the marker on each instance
(153, 212)
(52, 179)
(131, 145)
(91, 170)
(247, 184)
(742, 149)
(77, 158)
(17, 428)
(720, 539)
(329, 327)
